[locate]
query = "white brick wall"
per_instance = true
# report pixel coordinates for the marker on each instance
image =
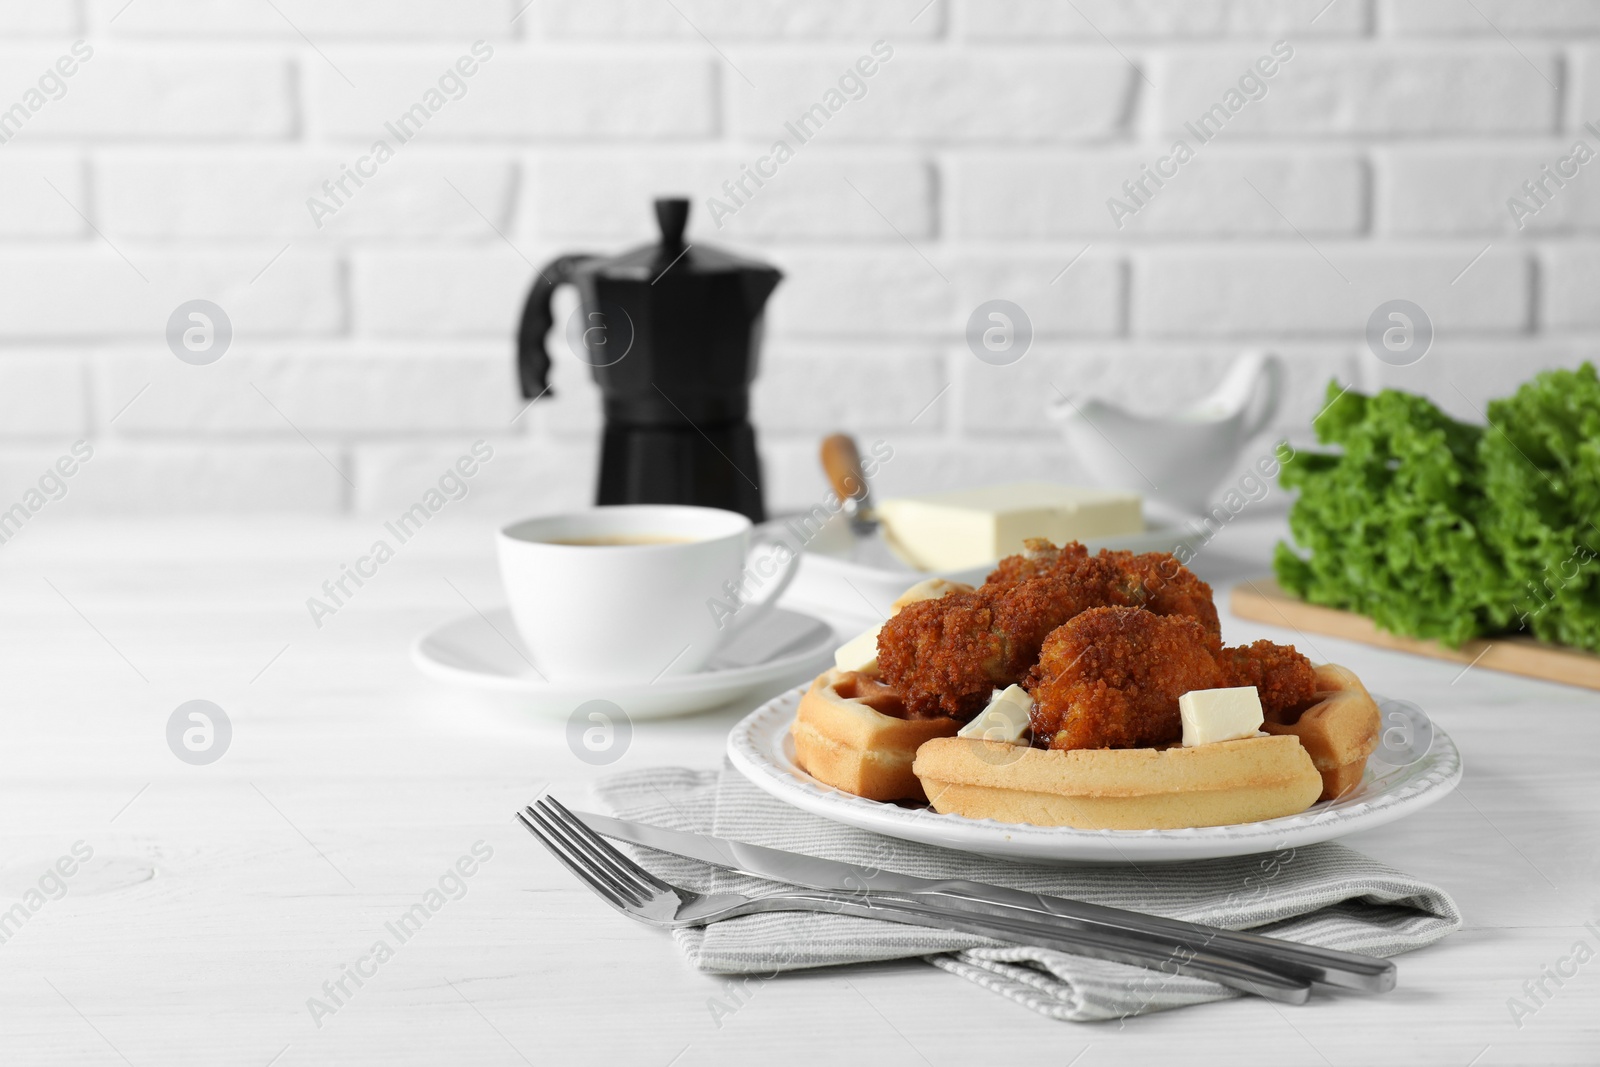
(1340, 90)
(175, 163)
(1039, 195)
(201, 195)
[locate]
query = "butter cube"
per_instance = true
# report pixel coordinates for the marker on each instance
(1219, 715)
(969, 527)
(1005, 719)
(860, 653)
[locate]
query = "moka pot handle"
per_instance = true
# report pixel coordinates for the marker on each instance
(533, 360)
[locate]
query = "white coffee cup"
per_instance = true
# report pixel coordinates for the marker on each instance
(668, 587)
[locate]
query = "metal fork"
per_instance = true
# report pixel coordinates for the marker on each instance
(637, 893)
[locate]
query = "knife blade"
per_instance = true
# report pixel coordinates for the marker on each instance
(600, 865)
(1332, 967)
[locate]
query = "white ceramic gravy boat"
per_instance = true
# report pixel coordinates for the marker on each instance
(1181, 458)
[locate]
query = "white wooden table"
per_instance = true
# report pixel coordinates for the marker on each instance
(220, 898)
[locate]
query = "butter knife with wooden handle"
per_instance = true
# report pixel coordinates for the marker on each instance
(872, 544)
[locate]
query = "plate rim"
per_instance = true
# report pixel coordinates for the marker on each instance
(1025, 841)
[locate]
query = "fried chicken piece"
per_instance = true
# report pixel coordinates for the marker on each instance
(943, 665)
(1026, 613)
(1281, 675)
(943, 656)
(946, 656)
(1157, 582)
(1111, 678)
(1038, 558)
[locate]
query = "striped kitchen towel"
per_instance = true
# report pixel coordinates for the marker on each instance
(1323, 894)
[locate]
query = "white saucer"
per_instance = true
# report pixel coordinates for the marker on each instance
(485, 653)
(761, 749)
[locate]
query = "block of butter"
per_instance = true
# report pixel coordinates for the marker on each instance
(1005, 719)
(860, 653)
(969, 527)
(1219, 714)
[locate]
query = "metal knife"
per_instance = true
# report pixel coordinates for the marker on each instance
(630, 889)
(1346, 970)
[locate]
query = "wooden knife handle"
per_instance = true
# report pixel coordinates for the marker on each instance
(841, 461)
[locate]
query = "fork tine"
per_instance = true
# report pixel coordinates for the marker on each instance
(606, 848)
(602, 856)
(605, 892)
(619, 886)
(600, 847)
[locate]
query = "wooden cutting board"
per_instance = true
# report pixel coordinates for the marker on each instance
(1263, 600)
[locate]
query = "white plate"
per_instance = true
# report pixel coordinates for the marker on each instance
(829, 578)
(761, 749)
(485, 653)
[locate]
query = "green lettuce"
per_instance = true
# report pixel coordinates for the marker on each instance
(1443, 529)
(1541, 467)
(1391, 525)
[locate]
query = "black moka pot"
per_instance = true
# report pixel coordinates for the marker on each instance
(672, 334)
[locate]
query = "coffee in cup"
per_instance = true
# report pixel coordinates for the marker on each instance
(637, 592)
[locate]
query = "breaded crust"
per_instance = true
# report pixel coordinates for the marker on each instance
(1119, 789)
(1111, 678)
(842, 740)
(1339, 731)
